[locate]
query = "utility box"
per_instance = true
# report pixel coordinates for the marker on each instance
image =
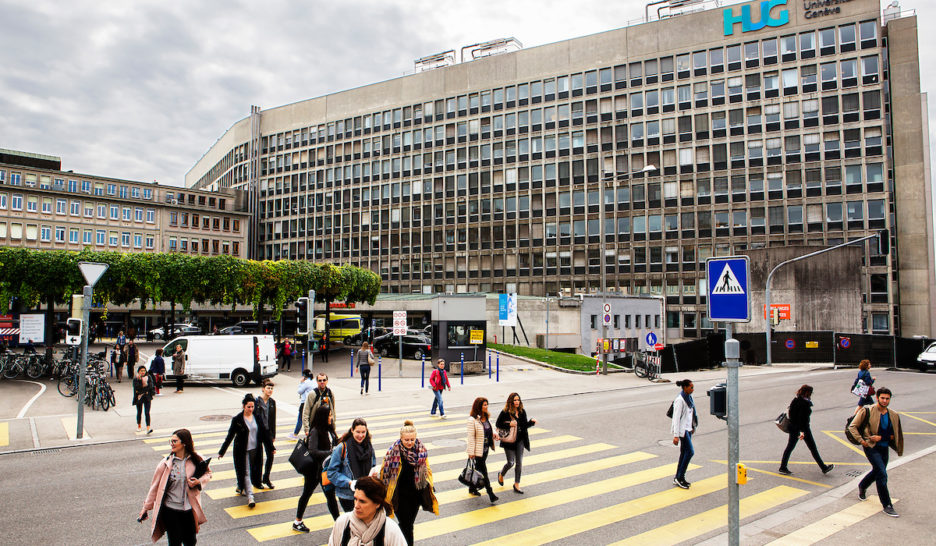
(459, 328)
(718, 400)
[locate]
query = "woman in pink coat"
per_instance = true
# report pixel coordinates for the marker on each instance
(176, 494)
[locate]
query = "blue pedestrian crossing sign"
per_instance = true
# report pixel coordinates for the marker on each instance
(651, 339)
(729, 295)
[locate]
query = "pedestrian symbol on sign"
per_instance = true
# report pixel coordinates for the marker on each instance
(727, 283)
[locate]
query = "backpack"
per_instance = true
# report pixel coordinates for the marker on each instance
(695, 416)
(866, 413)
(318, 395)
(378, 540)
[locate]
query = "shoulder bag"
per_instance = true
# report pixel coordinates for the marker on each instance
(471, 477)
(860, 389)
(508, 435)
(302, 459)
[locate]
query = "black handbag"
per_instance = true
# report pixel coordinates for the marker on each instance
(302, 459)
(470, 476)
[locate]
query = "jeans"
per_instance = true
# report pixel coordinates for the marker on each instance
(365, 378)
(877, 456)
(437, 401)
(808, 440)
(299, 419)
(268, 463)
(179, 526)
(308, 486)
(514, 457)
(247, 470)
(179, 383)
(685, 455)
(143, 408)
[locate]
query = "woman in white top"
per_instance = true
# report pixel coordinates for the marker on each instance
(684, 421)
(368, 523)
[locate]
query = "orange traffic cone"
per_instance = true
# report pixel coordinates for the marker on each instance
(597, 364)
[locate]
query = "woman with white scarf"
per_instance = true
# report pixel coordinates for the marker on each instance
(369, 520)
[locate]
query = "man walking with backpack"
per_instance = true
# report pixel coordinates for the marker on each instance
(878, 428)
(319, 396)
(438, 381)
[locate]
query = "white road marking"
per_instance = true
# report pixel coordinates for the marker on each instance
(42, 389)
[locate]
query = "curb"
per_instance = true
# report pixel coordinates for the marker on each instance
(560, 369)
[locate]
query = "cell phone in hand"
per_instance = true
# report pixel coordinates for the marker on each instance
(143, 517)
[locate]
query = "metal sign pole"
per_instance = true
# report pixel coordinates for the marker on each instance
(87, 293)
(732, 354)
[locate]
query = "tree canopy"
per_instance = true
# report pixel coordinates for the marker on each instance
(33, 276)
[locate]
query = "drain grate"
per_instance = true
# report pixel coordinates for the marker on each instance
(854, 473)
(215, 418)
(45, 451)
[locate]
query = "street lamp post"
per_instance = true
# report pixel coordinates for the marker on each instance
(604, 273)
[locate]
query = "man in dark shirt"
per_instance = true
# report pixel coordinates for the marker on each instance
(266, 411)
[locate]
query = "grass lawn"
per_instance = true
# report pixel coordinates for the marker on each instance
(563, 360)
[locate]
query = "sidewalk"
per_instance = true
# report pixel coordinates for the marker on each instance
(50, 422)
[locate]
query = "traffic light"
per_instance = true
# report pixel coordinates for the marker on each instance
(73, 331)
(302, 316)
(718, 400)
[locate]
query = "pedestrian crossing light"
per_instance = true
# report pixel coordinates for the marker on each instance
(73, 331)
(302, 316)
(742, 474)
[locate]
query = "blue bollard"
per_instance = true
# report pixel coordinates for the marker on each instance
(379, 371)
(352, 362)
(463, 368)
(489, 365)
(423, 381)
(498, 366)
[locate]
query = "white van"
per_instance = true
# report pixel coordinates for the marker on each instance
(239, 358)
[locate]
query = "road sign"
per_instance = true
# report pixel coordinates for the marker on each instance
(651, 339)
(845, 342)
(790, 344)
(399, 323)
(729, 295)
(607, 318)
(476, 337)
(812, 344)
(658, 347)
(783, 310)
(607, 308)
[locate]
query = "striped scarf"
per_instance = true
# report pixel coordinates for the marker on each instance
(416, 457)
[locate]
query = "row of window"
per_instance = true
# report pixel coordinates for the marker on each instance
(48, 182)
(75, 208)
(205, 246)
(76, 236)
(181, 219)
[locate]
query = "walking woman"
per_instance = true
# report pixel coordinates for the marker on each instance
(683, 427)
(864, 374)
(352, 459)
(513, 420)
(248, 433)
(143, 392)
(305, 387)
(178, 368)
(363, 361)
(121, 362)
(319, 442)
(157, 370)
(800, 410)
(175, 493)
(408, 478)
(369, 522)
(481, 439)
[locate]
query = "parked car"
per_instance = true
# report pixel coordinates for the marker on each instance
(235, 358)
(415, 345)
(927, 359)
(427, 331)
(178, 329)
(366, 335)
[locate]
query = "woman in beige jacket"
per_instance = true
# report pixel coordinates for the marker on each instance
(175, 493)
(481, 438)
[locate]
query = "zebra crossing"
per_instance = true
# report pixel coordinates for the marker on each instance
(586, 492)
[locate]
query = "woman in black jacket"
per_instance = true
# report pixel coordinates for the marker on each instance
(800, 410)
(144, 387)
(319, 441)
(513, 416)
(248, 433)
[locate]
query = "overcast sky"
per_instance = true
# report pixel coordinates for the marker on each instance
(140, 89)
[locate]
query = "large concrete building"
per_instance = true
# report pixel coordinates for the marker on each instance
(720, 131)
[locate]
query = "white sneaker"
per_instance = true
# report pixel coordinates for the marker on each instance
(293, 437)
(443, 417)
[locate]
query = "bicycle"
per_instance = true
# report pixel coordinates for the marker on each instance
(648, 366)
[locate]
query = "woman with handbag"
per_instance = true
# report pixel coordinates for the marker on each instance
(175, 492)
(319, 446)
(363, 360)
(512, 425)
(144, 388)
(352, 459)
(864, 376)
(406, 473)
(248, 434)
(683, 427)
(481, 438)
(800, 410)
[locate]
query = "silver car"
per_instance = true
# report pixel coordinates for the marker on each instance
(927, 358)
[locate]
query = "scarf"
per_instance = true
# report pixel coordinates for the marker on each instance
(688, 400)
(359, 457)
(364, 533)
(416, 457)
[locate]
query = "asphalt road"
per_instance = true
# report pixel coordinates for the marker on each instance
(599, 467)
